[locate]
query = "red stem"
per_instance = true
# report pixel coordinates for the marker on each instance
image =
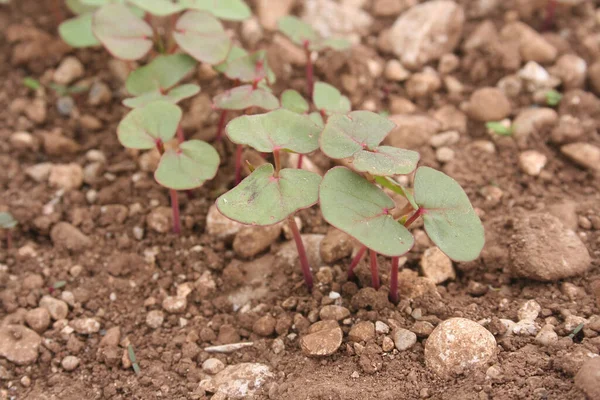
(300, 157)
(175, 207)
(310, 78)
(394, 281)
(550, 13)
(221, 126)
(238, 164)
(355, 261)
(301, 252)
(420, 211)
(57, 11)
(374, 270)
(180, 135)
(8, 239)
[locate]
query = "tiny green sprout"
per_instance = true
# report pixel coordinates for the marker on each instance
(553, 98)
(133, 359)
(7, 224)
(499, 128)
(32, 83)
(304, 35)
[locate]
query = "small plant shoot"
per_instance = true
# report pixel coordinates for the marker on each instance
(499, 128)
(553, 98)
(7, 224)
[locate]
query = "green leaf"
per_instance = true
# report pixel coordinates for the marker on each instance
(125, 35)
(202, 36)
(297, 30)
(354, 205)
(262, 199)
(160, 8)
(234, 53)
(244, 97)
(553, 98)
(7, 221)
(249, 68)
(450, 221)
(229, 10)
(174, 96)
(329, 99)
(394, 186)
(187, 167)
(332, 43)
(277, 130)
(316, 117)
(77, 32)
(293, 101)
(161, 73)
(499, 128)
(31, 83)
(143, 127)
(386, 161)
(79, 7)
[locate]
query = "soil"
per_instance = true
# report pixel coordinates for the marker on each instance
(117, 277)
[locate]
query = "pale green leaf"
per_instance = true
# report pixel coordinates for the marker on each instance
(202, 36)
(143, 127)
(244, 97)
(249, 68)
(7, 221)
(229, 10)
(316, 117)
(293, 101)
(297, 30)
(332, 43)
(174, 96)
(77, 32)
(161, 73)
(187, 167)
(160, 8)
(234, 53)
(328, 98)
(80, 7)
(386, 161)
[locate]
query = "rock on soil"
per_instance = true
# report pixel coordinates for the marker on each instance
(404, 339)
(66, 176)
(219, 225)
(213, 366)
(66, 236)
(239, 381)
(85, 326)
(362, 331)
(69, 363)
(457, 346)
(160, 219)
(533, 120)
(583, 154)
(155, 319)
(333, 312)
(38, 319)
(251, 240)
(588, 378)
(532, 162)
(427, 31)
(488, 104)
(437, 266)
(543, 249)
(335, 246)
(412, 131)
(58, 309)
(269, 12)
(69, 69)
(323, 339)
(19, 344)
(264, 326)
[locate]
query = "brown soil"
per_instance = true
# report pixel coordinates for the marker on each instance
(119, 289)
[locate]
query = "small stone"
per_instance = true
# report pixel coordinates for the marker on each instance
(532, 162)
(333, 312)
(26, 381)
(401, 105)
(448, 63)
(488, 104)
(278, 346)
(240, 381)
(219, 225)
(19, 344)
(437, 266)
(584, 154)
(323, 339)
(381, 328)
(444, 139)
(69, 363)
(252, 240)
(412, 131)
(573, 321)
(111, 338)
(422, 328)
(334, 19)
(36, 111)
(529, 310)
(99, 94)
(444, 154)
(546, 336)
(395, 71)
(387, 344)
(23, 141)
(588, 378)
(571, 70)
(325, 275)
(252, 31)
(362, 332)
(69, 69)
(537, 78)
(423, 84)
(89, 122)
(39, 172)
(388, 8)
(457, 346)
(270, 12)
(120, 69)
(525, 328)
(155, 319)
(532, 45)
(533, 121)
(66, 236)
(65, 105)
(264, 326)
(38, 319)
(160, 219)
(213, 366)
(174, 304)
(335, 246)
(404, 339)
(85, 326)
(57, 309)
(66, 176)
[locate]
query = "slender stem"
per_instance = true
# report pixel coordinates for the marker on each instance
(276, 157)
(355, 261)
(550, 13)
(57, 11)
(180, 135)
(374, 270)
(8, 239)
(238, 163)
(420, 211)
(300, 157)
(394, 281)
(310, 78)
(221, 126)
(301, 252)
(175, 207)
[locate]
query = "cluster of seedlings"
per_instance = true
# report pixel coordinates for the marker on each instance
(352, 197)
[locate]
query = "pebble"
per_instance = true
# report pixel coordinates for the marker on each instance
(55, 144)
(240, 381)
(335, 246)
(270, 12)
(36, 111)
(69, 363)
(422, 328)
(457, 346)
(444, 139)
(23, 141)
(423, 84)
(99, 94)
(38, 319)
(278, 346)
(448, 63)
(411, 131)
(334, 19)
(536, 77)
(69, 69)
(219, 225)
(539, 240)
(65, 105)
(66, 176)
(444, 154)
(68, 237)
(532, 45)
(427, 31)
(252, 31)
(19, 345)
(252, 240)
(529, 311)
(155, 319)
(333, 312)
(437, 266)
(312, 242)
(532, 162)
(111, 338)
(362, 331)
(57, 309)
(404, 339)
(174, 304)
(387, 344)
(85, 326)
(382, 328)
(584, 154)
(546, 336)
(264, 326)
(571, 70)
(395, 71)
(323, 339)
(160, 219)
(588, 378)
(389, 8)
(89, 122)
(39, 172)
(511, 85)
(533, 120)
(488, 104)
(213, 366)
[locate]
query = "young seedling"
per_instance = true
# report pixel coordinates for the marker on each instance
(553, 98)
(499, 128)
(271, 194)
(304, 35)
(7, 224)
(185, 167)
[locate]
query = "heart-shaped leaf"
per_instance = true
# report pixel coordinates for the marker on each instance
(187, 167)
(77, 32)
(235, 53)
(160, 8)
(386, 161)
(263, 199)
(354, 205)
(174, 96)
(449, 218)
(250, 68)
(161, 73)
(7, 221)
(229, 10)
(293, 101)
(125, 35)
(79, 7)
(202, 36)
(329, 99)
(316, 117)
(297, 30)
(244, 97)
(331, 43)
(277, 130)
(143, 127)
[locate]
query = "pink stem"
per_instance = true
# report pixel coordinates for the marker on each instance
(238, 164)
(355, 261)
(180, 135)
(374, 270)
(550, 13)
(175, 207)
(394, 281)
(8, 239)
(310, 79)
(300, 156)
(57, 11)
(420, 211)
(301, 252)
(221, 126)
